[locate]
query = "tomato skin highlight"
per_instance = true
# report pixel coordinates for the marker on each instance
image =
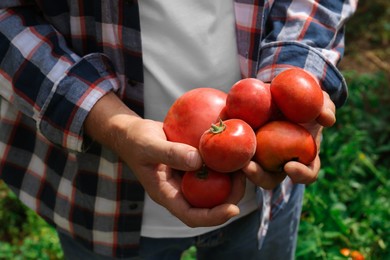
(206, 188)
(230, 149)
(249, 99)
(192, 113)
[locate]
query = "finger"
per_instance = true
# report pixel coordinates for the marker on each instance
(177, 155)
(327, 115)
(202, 217)
(197, 217)
(326, 118)
(261, 178)
(212, 217)
(238, 188)
(300, 173)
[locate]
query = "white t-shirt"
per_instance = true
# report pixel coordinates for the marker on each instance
(186, 44)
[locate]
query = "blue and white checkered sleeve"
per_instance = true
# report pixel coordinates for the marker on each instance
(46, 80)
(310, 35)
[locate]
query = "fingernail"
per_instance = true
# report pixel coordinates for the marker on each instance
(193, 159)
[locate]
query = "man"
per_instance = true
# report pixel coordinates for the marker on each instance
(83, 94)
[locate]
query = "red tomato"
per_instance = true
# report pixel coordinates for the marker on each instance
(223, 115)
(345, 251)
(192, 113)
(250, 100)
(206, 188)
(279, 142)
(298, 95)
(356, 255)
(228, 146)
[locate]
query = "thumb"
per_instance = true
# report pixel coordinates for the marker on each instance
(179, 156)
(327, 116)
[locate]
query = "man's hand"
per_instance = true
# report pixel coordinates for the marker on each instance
(298, 172)
(156, 162)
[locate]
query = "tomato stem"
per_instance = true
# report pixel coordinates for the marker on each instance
(216, 129)
(203, 172)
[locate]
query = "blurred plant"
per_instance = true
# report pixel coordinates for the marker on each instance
(349, 206)
(371, 23)
(23, 234)
(189, 254)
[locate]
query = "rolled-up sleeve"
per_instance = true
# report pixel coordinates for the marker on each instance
(45, 79)
(306, 34)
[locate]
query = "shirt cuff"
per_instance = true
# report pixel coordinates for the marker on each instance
(278, 56)
(72, 97)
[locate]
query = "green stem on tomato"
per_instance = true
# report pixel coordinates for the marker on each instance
(216, 129)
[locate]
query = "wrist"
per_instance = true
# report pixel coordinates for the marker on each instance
(108, 122)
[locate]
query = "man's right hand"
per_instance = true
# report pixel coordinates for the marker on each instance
(142, 145)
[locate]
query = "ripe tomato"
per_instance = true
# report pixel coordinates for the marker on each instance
(228, 146)
(250, 100)
(206, 188)
(279, 142)
(298, 95)
(192, 113)
(345, 251)
(356, 255)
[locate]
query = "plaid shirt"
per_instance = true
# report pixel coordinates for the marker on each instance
(57, 58)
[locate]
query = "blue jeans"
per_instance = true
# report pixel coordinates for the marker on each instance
(237, 240)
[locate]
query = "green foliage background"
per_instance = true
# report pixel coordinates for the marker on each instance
(349, 205)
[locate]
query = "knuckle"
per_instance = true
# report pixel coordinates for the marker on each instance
(170, 155)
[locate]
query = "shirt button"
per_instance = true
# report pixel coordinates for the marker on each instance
(133, 206)
(132, 82)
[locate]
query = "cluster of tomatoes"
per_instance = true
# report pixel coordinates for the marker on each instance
(253, 121)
